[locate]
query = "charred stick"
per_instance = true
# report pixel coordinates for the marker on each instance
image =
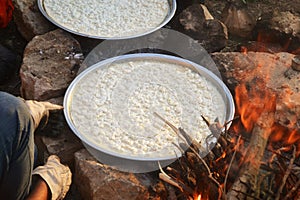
(245, 194)
(205, 120)
(281, 163)
(278, 153)
(180, 147)
(183, 188)
(292, 178)
(216, 130)
(177, 178)
(210, 174)
(230, 164)
(165, 177)
(168, 179)
(223, 142)
(286, 175)
(294, 189)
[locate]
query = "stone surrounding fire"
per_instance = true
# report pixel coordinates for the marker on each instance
(237, 18)
(197, 22)
(47, 69)
(29, 19)
(97, 181)
(275, 69)
(287, 23)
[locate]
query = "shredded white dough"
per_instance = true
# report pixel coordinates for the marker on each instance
(108, 18)
(113, 107)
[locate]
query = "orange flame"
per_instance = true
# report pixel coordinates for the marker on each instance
(198, 197)
(253, 98)
(252, 102)
(264, 38)
(293, 137)
(221, 157)
(286, 137)
(201, 196)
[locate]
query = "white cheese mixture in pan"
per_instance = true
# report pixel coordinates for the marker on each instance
(108, 18)
(113, 107)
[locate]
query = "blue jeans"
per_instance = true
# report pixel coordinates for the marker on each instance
(17, 147)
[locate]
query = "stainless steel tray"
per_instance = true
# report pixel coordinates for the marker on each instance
(140, 164)
(172, 4)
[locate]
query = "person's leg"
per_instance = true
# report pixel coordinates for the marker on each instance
(17, 147)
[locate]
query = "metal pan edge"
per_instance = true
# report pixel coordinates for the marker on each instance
(173, 6)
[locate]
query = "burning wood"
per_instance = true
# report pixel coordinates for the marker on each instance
(257, 107)
(238, 167)
(192, 174)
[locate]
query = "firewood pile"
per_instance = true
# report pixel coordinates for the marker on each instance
(246, 163)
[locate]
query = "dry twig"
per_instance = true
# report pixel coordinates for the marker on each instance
(294, 189)
(194, 147)
(286, 175)
(233, 157)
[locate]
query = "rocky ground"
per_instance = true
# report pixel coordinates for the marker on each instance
(261, 10)
(39, 60)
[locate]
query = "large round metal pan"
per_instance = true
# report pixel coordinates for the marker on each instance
(128, 162)
(172, 4)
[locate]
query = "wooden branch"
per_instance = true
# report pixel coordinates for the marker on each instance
(194, 147)
(254, 155)
(165, 177)
(288, 196)
(168, 179)
(286, 175)
(230, 164)
(210, 175)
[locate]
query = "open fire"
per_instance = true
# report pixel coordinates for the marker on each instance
(257, 158)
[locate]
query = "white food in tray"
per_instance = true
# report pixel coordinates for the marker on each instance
(113, 107)
(108, 18)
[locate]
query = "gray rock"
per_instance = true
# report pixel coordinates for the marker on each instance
(29, 20)
(286, 23)
(197, 22)
(49, 65)
(239, 21)
(280, 28)
(100, 182)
